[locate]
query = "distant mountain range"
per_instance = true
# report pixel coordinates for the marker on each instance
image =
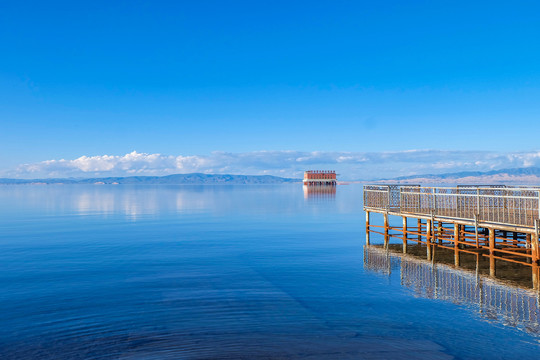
(178, 179)
(530, 175)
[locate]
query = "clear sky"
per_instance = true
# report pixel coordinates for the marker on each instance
(192, 78)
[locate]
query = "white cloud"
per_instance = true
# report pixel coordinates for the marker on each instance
(351, 165)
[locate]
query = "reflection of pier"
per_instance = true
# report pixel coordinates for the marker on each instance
(492, 300)
(319, 192)
(500, 223)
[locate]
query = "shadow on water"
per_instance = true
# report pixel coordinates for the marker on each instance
(491, 299)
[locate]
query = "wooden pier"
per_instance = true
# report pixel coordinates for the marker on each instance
(498, 222)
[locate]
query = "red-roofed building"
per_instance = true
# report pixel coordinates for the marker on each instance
(320, 177)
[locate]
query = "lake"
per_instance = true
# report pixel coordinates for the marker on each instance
(221, 272)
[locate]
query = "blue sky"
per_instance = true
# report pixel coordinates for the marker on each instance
(196, 79)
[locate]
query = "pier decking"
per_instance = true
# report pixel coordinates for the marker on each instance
(499, 222)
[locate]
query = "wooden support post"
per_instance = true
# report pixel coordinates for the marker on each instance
(419, 229)
(456, 244)
(428, 239)
(439, 232)
(386, 236)
(528, 246)
(491, 252)
(535, 256)
(514, 238)
(367, 229)
(404, 234)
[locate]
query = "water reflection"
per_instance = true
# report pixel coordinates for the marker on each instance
(490, 299)
(135, 201)
(319, 192)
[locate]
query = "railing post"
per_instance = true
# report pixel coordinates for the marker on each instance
(477, 201)
(400, 200)
(419, 202)
(388, 198)
(476, 229)
(538, 204)
(434, 206)
(364, 193)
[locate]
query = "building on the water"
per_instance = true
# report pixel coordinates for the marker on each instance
(320, 178)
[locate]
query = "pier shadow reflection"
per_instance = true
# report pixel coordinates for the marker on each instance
(319, 192)
(490, 298)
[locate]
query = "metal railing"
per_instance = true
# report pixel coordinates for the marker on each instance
(512, 205)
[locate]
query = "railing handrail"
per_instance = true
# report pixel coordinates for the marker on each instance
(508, 188)
(506, 205)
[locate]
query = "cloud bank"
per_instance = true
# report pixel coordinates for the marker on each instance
(351, 165)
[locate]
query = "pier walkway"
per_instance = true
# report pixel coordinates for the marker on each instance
(496, 221)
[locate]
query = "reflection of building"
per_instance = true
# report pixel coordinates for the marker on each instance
(320, 177)
(319, 192)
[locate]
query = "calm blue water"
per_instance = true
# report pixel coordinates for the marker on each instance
(215, 272)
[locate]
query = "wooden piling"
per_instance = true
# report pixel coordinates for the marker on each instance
(456, 244)
(439, 231)
(404, 234)
(535, 256)
(528, 246)
(428, 239)
(492, 252)
(367, 229)
(386, 236)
